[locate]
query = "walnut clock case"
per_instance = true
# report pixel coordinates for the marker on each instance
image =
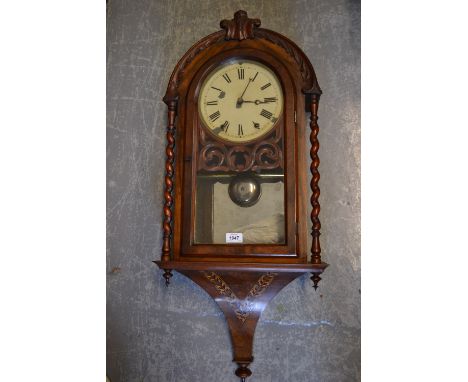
(236, 192)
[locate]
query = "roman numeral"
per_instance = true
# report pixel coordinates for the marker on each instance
(265, 86)
(256, 125)
(253, 79)
(212, 103)
(270, 99)
(266, 114)
(215, 116)
(240, 73)
(226, 77)
(225, 126)
(240, 131)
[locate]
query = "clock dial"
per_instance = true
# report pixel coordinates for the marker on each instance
(240, 101)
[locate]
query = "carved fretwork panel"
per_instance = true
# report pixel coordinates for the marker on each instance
(215, 155)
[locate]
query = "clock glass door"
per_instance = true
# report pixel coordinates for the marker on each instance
(239, 185)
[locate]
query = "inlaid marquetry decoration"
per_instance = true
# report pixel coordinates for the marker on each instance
(242, 104)
(242, 307)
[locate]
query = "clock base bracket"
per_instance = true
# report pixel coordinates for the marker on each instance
(242, 297)
(242, 291)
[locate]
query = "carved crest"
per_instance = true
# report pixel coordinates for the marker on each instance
(240, 27)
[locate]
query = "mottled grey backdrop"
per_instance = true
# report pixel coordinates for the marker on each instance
(178, 334)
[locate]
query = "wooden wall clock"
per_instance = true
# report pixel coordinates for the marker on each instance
(236, 194)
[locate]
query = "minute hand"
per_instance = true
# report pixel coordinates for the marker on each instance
(240, 101)
(250, 80)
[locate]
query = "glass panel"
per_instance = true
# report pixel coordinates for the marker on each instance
(250, 204)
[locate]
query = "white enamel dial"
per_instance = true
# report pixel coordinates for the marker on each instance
(240, 101)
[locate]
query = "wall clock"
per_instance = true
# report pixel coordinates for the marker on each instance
(237, 197)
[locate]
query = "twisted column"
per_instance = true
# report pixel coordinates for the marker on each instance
(169, 183)
(315, 250)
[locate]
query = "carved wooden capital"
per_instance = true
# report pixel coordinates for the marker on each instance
(241, 27)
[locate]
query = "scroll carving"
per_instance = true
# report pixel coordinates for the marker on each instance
(241, 27)
(240, 158)
(268, 155)
(213, 157)
(307, 73)
(219, 156)
(193, 53)
(242, 308)
(178, 74)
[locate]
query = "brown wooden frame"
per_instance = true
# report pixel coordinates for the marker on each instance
(296, 74)
(236, 275)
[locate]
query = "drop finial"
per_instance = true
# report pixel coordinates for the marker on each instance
(243, 371)
(315, 278)
(167, 275)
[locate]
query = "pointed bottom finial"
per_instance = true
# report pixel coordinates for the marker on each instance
(315, 278)
(167, 275)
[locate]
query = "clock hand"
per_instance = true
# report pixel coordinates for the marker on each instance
(258, 102)
(240, 100)
(248, 83)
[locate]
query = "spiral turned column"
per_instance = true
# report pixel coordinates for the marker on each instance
(315, 250)
(169, 184)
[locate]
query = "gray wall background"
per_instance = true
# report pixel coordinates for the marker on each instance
(178, 333)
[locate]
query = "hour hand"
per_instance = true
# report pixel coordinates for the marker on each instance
(266, 100)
